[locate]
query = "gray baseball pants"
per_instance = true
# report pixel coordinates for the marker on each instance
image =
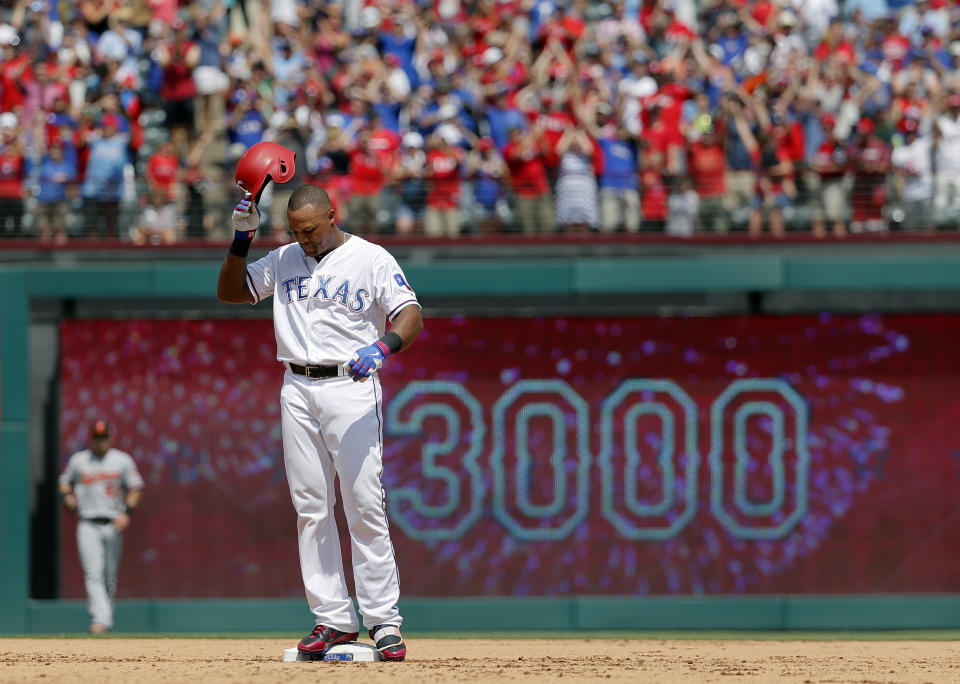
(99, 546)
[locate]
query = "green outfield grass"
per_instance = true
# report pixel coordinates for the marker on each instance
(765, 635)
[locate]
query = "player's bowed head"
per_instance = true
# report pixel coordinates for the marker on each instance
(313, 221)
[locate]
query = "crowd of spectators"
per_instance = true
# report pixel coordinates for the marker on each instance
(124, 118)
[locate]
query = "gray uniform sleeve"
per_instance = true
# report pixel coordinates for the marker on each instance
(69, 474)
(131, 476)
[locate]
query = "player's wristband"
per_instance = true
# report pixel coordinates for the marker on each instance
(390, 343)
(241, 244)
(129, 510)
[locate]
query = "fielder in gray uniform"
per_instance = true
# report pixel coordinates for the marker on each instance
(103, 486)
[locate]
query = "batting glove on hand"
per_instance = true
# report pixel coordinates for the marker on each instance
(246, 218)
(366, 361)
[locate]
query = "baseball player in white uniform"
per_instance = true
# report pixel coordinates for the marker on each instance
(103, 486)
(332, 296)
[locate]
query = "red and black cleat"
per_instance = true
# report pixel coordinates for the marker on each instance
(389, 642)
(322, 638)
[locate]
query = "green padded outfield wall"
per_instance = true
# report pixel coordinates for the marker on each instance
(557, 277)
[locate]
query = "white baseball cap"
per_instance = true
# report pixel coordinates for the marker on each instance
(492, 55)
(449, 133)
(369, 17)
(788, 18)
(8, 120)
(9, 35)
(447, 111)
(412, 139)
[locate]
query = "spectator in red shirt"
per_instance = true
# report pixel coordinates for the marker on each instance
(163, 172)
(834, 45)
(384, 142)
(761, 12)
(15, 72)
(553, 119)
(11, 176)
(177, 58)
(665, 137)
(442, 216)
(525, 153)
(870, 160)
(367, 180)
(166, 10)
(46, 90)
(676, 32)
(654, 202)
(706, 166)
(563, 26)
(895, 47)
(831, 164)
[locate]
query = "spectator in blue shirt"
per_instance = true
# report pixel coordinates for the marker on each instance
(487, 170)
(733, 41)
(870, 10)
(287, 64)
(399, 38)
(103, 181)
(741, 176)
(619, 182)
(247, 123)
(501, 117)
(56, 175)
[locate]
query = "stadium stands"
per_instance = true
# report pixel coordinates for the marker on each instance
(122, 119)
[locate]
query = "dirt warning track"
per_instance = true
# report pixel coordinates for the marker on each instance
(147, 660)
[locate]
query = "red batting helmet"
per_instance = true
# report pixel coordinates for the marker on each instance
(262, 163)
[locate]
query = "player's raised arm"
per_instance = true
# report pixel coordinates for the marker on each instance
(403, 331)
(262, 163)
(232, 283)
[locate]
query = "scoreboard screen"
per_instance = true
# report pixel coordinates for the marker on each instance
(553, 456)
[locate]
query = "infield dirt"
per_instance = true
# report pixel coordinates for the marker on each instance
(239, 660)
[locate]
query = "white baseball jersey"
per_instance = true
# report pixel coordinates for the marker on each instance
(324, 311)
(100, 484)
(916, 159)
(948, 148)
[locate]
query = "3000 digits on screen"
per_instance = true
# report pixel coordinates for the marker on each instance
(450, 469)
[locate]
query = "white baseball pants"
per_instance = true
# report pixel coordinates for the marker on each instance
(331, 427)
(99, 546)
